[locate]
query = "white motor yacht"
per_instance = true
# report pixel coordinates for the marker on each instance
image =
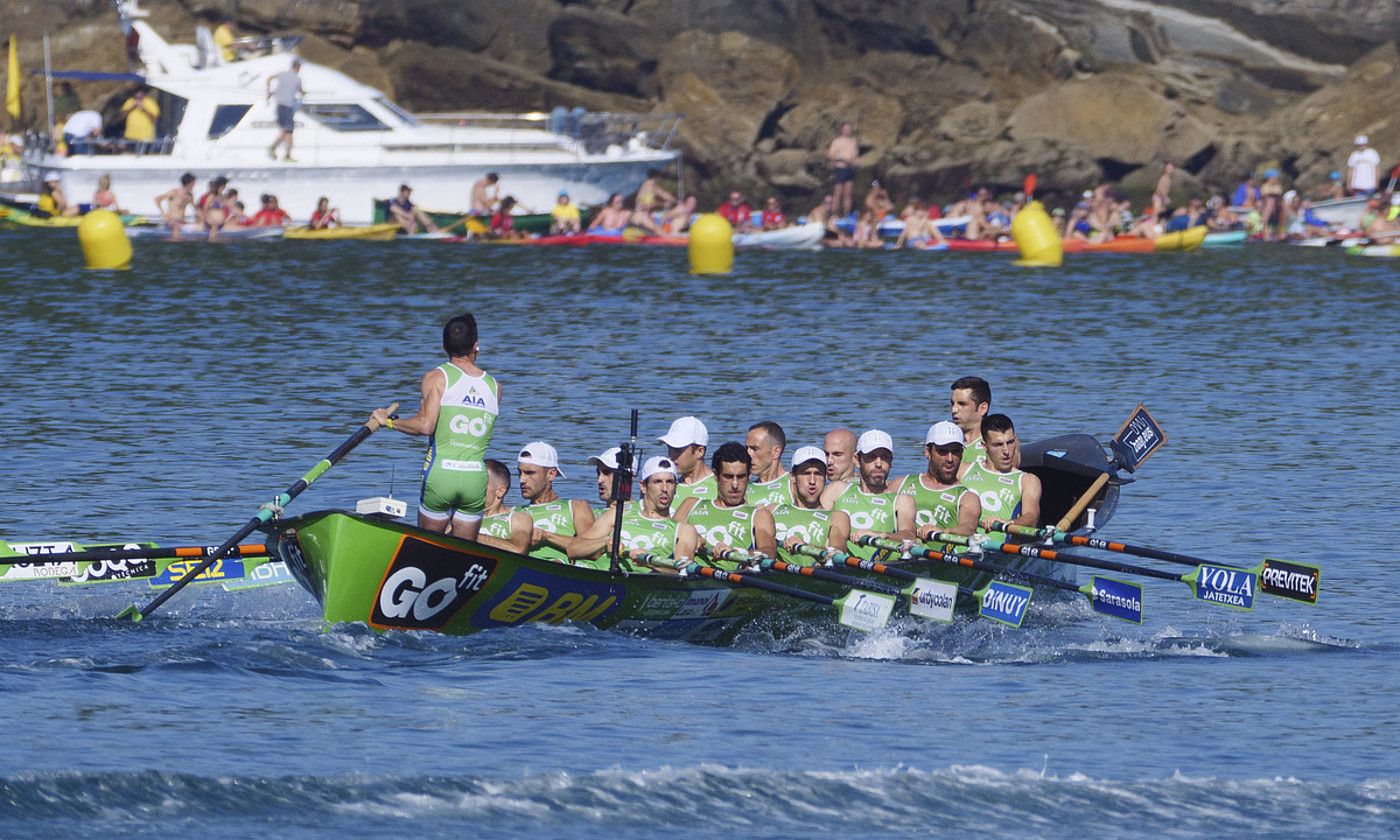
(352, 144)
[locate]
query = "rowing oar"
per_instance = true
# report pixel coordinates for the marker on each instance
(249, 550)
(862, 610)
(734, 555)
(928, 598)
(1117, 598)
(1226, 586)
(265, 513)
(1280, 578)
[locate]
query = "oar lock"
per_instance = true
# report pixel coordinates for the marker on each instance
(272, 506)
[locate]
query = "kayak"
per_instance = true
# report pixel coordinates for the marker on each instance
(1184, 240)
(806, 237)
(20, 218)
(525, 222)
(377, 233)
(1220, 239)
(392, 575)
(1374, 250)
(195, 232)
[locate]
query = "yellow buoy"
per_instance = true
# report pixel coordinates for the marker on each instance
(103, 237)
(711, 245)
(1036, 238)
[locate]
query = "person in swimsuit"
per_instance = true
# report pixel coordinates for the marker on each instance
(485, 192)
(842, 154)
(459, 406)
(919, 230)
(651, 198)
(104, 198)
(324, 216)
(173, 204)
(612, 220)
(677, 219)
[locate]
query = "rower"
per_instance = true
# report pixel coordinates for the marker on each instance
(686, 441)
(606, 464)
(940, 502)
(647, 525)
(971, 399)
(502, 527)
(804, 520)
(771, 485)
(458, 409)
(1007, 494)
(729, 520)
(875, 506)
(840, 448)
(557, 521)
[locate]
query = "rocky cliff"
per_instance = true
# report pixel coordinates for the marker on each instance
(944, 93)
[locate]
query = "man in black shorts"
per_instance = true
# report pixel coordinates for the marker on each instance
(288, 91)
(842, 155)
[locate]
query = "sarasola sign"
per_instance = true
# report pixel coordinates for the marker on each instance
(427, 584)
(530, 595)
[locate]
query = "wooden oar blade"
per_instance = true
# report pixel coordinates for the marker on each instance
(1117, 598)
(866, 611)
(1004, 602)
(1226, 586)
(1288, 579)
(933, 599)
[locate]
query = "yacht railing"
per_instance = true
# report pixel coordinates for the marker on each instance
(591, 131)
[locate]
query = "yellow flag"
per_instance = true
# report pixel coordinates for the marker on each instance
(12, 81)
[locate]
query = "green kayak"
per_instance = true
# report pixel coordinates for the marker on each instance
(524, 222)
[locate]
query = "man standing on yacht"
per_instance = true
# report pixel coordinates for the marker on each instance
(286, 86)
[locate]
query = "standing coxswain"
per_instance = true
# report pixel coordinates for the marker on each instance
(557, 522)
(501, 526)
(805, 520)
(686, 443)
(940, 502)
(873, 503)
(729, 520)
(770, 485)
(1007, 494)
(459, 406)
(647, 525)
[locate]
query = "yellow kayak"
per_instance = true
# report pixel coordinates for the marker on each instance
(380, 233)
(21, 218)
(1183, 240)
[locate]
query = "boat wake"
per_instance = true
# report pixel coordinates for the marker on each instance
(698, 801)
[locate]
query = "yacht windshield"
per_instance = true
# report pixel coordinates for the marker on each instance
(225, 118)
(345, 117)
(407, 118)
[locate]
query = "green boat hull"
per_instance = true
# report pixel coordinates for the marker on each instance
(537, 223)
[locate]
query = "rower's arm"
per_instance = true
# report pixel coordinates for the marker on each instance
(969, 514)
(683, 512)
(903, 518)
(591, 542)
(425, 421)
(521, 526)
(1030, 501)
(765, 532)
(831, 493)
(838, 534)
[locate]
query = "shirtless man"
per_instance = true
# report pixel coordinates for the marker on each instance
(485, 192)
(842, 154)
(969, 403)
(173, 204)
(613, 219)
(1007, 494)
(677, 219)
(919, 230)
(650, 196)
(686, 441)
(840, 449)
(502, 527)
(771, 485)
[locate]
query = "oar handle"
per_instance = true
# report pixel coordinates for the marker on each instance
(827, 575)
(1051, 533)
(373, 424)
(1084, 500)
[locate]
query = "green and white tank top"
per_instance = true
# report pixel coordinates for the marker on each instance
(467, 414)
(556, 517)
(497, 524)
(868, 511)
(1000, 493)
(934, 507)
(772, 493)
(807, 524)
(731, 526)
(642, 533)
(705, 488)
(974, 452)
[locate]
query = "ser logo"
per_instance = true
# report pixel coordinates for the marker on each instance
(426, 584)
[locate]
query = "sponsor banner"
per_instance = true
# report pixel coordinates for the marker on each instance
(661, 605)
(933, 599)
(532, 595)
(225, 568)
(1117, 598)
(1139, 437)
(427, 584)
(1286, 579)
(271, 573)
(104, 571)
(868, 611)
(37, 571)
(1224, 585)
(1004, 602)
(702, 603)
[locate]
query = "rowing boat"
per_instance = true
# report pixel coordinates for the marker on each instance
(392, 575)
(50, 560)
(797, 237)
(376, 233)
(195, 232)
(538, 223)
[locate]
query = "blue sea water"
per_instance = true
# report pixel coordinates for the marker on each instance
(166, 403)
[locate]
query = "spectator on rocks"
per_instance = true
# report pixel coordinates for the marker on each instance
(842, 154)
(1363, 168)
(737, 212)
(773, 217)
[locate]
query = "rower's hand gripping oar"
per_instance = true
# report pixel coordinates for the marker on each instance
(264, 514)
(867, 611)
(1280, 578)
(1117, 598)
(1226, 586)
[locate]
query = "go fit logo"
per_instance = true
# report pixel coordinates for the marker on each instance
(426, 585)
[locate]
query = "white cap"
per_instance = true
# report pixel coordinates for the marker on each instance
(51, 176)
(685, 431)
(1362, 139)
(656, 464)
(1087, 194)
(943, 433)
(808, 453)
(540, 454)
(607, 459)
(872, 440)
